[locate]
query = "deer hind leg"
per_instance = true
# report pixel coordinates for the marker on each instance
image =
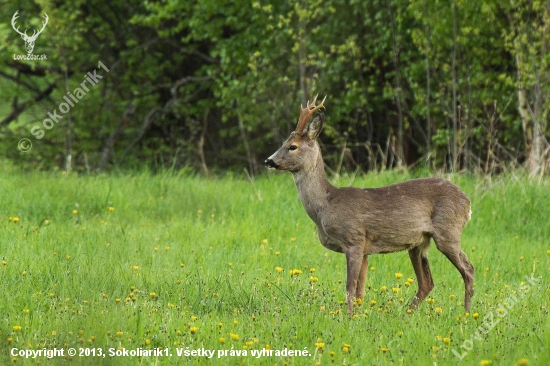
(355, 260)
(360, 288)
(450, 247)
(419, 259)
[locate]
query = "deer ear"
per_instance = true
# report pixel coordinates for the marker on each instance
(315, 126)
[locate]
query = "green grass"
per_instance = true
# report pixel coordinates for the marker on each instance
(202, 255)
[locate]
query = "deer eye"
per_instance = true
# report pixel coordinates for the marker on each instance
(292, 147)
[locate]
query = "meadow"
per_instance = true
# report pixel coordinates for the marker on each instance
(181, 262)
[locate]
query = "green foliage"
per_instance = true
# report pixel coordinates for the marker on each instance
(223, 80)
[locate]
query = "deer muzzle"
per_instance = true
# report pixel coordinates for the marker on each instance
(270, 163)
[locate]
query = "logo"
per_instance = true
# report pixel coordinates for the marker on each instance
(29, 40)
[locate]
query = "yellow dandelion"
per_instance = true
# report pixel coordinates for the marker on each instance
(447, 340)
(485, 362)
(16, 220)
(313, 279)
(398, 275)
(438, 310)
(193, 330)
(312, 269)
(279, 269)
(395, 289)
(320, 346)
(475, 315)
(430, 301)
(373, 302)
(193, 318)
(119, 333)
(10, 339)
(4, 263)
(147, 341)
(222, 340)
(452, 297)
(264, 241)
(75, 212)
(234, 337)
(111, 209)
(384, 349)
(295, 272)
(292, 239)
(523, 362)
(383, 288)
(235, 322)
(372, 268)
(16, 328)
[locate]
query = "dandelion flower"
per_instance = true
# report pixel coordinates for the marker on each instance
(384, 349)
(119, 334)
(430, 301)
(475, 315)
(234, 337)
(75, 212)
(295, 272)
(16, 220)
(320, 346)
(447, 340)
(373, 302)
(485, 362)
(17, 328)
(398, 275)
(111, 209)
(438, 310)
(193, 330)
(222, 340)
(383, 288)
(279, 269)
(523, 362)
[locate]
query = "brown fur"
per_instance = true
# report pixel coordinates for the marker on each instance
(359, 222)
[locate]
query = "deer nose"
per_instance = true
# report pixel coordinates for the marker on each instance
(270, 163)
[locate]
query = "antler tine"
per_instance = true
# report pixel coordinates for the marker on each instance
(307, 112)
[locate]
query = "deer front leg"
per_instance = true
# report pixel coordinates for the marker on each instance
(354, 260)
(360, 289)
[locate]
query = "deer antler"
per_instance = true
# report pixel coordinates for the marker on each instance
(307, 112)
(44, 24)
(15, 16)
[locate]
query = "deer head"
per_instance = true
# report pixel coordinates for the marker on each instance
(29, 40)
(300, 150)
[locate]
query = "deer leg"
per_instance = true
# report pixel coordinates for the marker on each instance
(458, 258)
(354, 259)
(421, 267)
(360, 289)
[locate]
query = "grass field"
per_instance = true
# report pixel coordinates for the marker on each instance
(182, 262)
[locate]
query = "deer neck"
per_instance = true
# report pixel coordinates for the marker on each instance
(313, 188)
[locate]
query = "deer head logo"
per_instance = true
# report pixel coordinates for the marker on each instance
(29, 40)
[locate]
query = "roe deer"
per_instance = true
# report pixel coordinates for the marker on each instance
(359, 222)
